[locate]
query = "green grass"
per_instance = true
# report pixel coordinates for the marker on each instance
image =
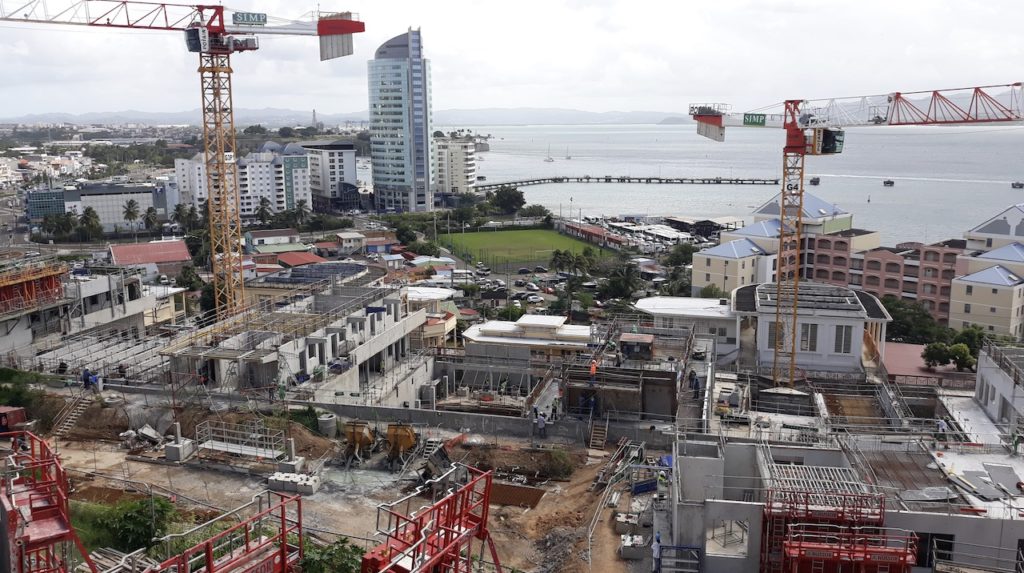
(532, 246)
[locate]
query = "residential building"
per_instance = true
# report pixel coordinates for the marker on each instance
(441, 314)
(992, 298)
(280, 174)
(711, 317)
(332, 176)
(298, 259)
(732, 265)
(1005, 228)
(454, 167)
(266, 237)
(401, 125)
(350, 242)
(833, 324)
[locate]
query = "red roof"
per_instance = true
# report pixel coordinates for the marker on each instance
(155, 252)
(326, 245)
(468, 312)
(297, 259)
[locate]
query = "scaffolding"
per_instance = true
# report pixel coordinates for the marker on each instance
(27, 285)
(253, 440)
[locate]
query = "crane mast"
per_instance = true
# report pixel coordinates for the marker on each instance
(208, 33)
(815, 127)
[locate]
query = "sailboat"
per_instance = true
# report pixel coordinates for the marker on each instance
(549, 159)
(567, 156)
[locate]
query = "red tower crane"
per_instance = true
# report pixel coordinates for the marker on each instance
(214, 32)
(815, 127)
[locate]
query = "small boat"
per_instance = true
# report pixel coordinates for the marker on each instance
(815, 180)
(888, 183)
(549, 159)
(869, 198)
(567, 156)
(1017, 185)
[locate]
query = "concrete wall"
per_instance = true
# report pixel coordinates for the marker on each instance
(995, 391)
(824, 358)
(993, 538)
(717, 511)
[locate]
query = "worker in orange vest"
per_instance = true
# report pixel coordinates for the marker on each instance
(593, 372)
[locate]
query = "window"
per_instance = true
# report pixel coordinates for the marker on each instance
(809, 337)
(967, 308)
(707, 277)
(969, 289)
(771, 334)
(995, 291)
(991, 309)
(707, 262)
(988, 242)
(844, 339)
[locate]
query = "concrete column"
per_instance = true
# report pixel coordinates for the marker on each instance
(291, 449)
(177, 432)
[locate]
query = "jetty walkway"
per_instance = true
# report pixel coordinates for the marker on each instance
(627, 179)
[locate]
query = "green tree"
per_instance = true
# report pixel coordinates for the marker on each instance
(711, 291)
(405, 234)
(301, 212)
(463, 215)
(180, 215)
(286, 132)
(973, 337)
(135, 524)
(558, 259)
(534, 211)
(338, 557)
(509, 313)
(624, 281)
(130, 213)
(308, 132)
(151, 220)
(508, 200)
(678, 283)
(263, 212)
(189, 279)
(960, 355)
(89, 226)
(193, 219)
(255, 130)
(424, 248)
(682, 254)
(936, 354)
(911, 323)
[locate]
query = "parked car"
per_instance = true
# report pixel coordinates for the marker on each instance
(500, 283)
(532, 287)
(517, 304)
(520, 295)
(540, 269)
(549, 290)
(520, 283)
(534, 299)
(524, 271)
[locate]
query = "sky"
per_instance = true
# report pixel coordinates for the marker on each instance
(598, 55)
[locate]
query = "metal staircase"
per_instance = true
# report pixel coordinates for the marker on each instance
(68, 417)
(598, 434)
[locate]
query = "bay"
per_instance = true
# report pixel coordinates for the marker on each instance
(948, 179)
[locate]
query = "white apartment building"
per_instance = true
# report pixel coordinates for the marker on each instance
(332, 176)
(278, 173)
(454, 166)
(109, 200)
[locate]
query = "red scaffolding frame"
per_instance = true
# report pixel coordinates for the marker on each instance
(816, 548)
(39, 536)
(438, 538)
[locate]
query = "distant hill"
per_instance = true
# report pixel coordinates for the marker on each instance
(675, 120)
(275, 117)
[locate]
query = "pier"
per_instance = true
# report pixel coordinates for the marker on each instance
(629, 179)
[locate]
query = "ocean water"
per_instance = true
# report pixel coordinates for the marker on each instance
(948, 179)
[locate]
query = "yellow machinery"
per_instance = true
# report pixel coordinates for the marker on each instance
(401, 440)
(359, 439)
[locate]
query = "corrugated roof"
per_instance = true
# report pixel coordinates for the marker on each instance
(1014, 252)
(997, 276)
(814, 207)
(768, 228)
(265, 234)
(281, 248)
(738, 249)
(299, 259)
(155, 252)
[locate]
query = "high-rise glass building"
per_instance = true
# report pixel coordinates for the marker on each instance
(401, 125)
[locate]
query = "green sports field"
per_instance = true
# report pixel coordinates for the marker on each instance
(520, 247)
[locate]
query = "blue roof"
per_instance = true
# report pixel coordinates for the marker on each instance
(814, 207)
(1014, 252)
(996, 276)
(768, 228)
(738, 249)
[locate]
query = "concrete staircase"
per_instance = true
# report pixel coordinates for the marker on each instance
(68, 417)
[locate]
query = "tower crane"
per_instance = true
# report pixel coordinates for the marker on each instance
(816, 127)
(215, 33)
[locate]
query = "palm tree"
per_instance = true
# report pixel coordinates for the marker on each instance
(180, 215)
(625, 280)
(301, 212)
(49, 225)
(130, 213)
(558, 259)
(192, 218)
(577, 263)
(89, 224)
(263, 212)
(65, 223)
(150, 220)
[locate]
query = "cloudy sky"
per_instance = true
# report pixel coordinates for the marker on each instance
(597, 55)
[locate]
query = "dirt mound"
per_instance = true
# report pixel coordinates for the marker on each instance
(532, 463)
(99, 423)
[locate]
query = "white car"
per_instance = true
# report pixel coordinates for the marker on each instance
(517, 304)
(532, 287)
(534, 299)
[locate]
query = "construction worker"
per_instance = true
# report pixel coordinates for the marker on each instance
(656, 553)
(542, 422)
(695, 384)
(940, 434)
(593, 371)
